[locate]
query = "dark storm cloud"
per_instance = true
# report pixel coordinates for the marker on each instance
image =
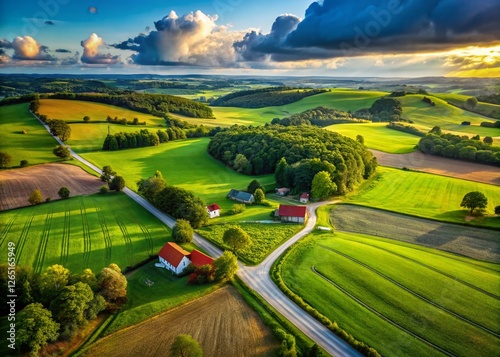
(4, 43)
(48, 22)
(62, 50)
(348, 28)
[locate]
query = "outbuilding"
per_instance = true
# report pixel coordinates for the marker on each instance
(294, 214)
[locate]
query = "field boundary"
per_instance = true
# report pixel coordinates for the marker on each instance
(410, 291)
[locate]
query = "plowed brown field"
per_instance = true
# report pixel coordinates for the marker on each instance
(221, 322)
(16, 185)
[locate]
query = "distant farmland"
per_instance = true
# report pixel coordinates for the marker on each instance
(83, 232)
(402, 299)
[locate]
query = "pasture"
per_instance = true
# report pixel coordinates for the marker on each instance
(426, 195)
(377, 136)
(402, 299)
(35, 146)
(183, 163)
(146, 301)
(221, 322)
(265, 238)
(83, 232)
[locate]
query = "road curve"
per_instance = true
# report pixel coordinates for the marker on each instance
(257, 277)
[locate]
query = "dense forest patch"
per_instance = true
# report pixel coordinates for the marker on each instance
(265, 97)
(258, 150)
(319, 116)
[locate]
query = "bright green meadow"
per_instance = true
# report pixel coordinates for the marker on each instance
(83, 232)
(184, 163)
(265, 238)
(382, 291)
(377, 136)
(35, 146)
(425, 195)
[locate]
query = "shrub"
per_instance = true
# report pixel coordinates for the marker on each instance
(24, 131)
(35, 197)
(23, 163)
(62, 152)
(63, 192)
(465, 123)
(104, 189)
(237, 208)
(182, 231)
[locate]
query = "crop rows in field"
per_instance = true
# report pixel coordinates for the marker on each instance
(83, 232)
(478, 243)
(430, 302)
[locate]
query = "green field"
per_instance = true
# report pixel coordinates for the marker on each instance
(382, 291)
(183, 163)
(460, 99)
(166, 292)
(377, 136)
(35, 146)
(425, 195)
(83, 232)
(265, 238)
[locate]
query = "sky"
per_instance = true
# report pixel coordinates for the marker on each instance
(340, 38)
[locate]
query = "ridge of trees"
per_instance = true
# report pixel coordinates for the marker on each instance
(154, 104)
(405, 129)
(264, 97)
(320, 116)
(257, 150)
(460, 147)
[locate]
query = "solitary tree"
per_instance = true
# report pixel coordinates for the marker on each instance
(497, 210)
(236, 238)
(322, 186)
(5, 159)
(259, 196)
(23, 163)
(225, 266)
(86, 118)
(488, 140)
(471, 103)
(182, 231)
(185, 346)
(117, 183)
(474, 200)
(35, 327)
(107, 174)
(151, 186)
(63, 192)
(62, 152)
(360, 139)
(36, 197)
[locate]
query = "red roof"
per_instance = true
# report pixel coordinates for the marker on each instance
(213, 207)
(292, 211)
(304, 195)
(199, 259)
(172, 253)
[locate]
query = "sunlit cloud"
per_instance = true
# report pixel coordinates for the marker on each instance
(91, 53)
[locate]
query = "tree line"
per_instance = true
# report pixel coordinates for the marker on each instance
(264, 97)
(258, 150)
(154, 104)
(405, 129)
(56, 304)
(460, 147)
(319, 116)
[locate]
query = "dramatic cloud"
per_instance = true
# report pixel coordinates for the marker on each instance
(345, 28)
(192, 39)
(91, 53)
(27, 48)
(3, 57)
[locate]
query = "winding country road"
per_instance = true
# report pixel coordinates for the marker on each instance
(257, 277)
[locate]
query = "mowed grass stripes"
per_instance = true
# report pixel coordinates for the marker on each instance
(402, 299)
(83, 232)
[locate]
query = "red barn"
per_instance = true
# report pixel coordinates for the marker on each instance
(295, 214)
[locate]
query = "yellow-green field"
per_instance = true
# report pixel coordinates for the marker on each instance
(75, 110)
(377, 136)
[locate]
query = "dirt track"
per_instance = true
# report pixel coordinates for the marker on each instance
(441, 166)
(17, 184)
(221, 322)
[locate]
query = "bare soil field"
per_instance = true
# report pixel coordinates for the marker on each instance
(441, 166)
(478, 243)
(221, 322)
(16, 185)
